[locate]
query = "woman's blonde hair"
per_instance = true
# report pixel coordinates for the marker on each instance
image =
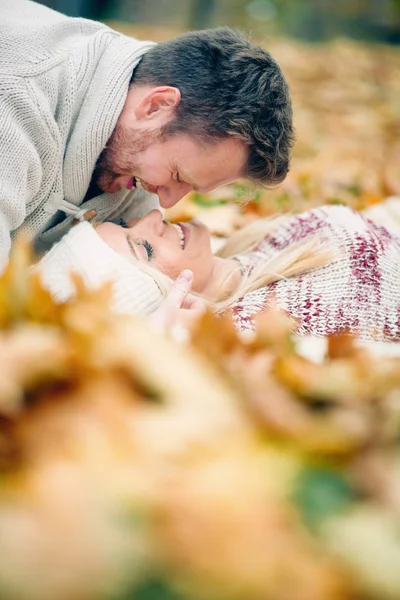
(296, 259)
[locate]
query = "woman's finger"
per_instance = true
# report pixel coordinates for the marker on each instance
(166, 313)
(194, 304)
(180, 289)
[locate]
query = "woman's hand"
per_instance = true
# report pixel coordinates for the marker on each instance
(179, 311)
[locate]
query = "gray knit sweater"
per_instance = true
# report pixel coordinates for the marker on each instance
(63, 83)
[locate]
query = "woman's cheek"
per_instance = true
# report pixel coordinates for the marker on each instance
(170, 261)
(168, 268)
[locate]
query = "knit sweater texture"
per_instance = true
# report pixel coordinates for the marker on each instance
(358, 292)
(63, 84)
(83, 252)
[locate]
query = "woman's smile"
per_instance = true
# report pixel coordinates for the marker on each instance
(181, 234)
(171, 248)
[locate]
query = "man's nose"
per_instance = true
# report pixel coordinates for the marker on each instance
(169, 197)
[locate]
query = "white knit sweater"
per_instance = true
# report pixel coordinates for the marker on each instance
(359, 292)
(63, 83)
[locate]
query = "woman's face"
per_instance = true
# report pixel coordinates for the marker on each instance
(170, 248)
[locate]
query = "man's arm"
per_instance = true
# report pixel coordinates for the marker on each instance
(20, 165)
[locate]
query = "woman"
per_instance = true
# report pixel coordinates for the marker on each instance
(330, 268)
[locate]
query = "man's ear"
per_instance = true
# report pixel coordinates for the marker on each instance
(158, 102)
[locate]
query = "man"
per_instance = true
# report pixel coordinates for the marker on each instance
(94, 123)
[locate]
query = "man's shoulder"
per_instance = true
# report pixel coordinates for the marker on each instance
(34, 36)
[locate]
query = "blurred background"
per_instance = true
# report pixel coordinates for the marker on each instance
(314, 20)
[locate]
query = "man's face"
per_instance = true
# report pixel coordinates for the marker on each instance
(169, 167)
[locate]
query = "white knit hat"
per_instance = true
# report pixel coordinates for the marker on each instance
(84, 252)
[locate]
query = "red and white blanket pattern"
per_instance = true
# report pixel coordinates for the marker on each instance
(359, 292)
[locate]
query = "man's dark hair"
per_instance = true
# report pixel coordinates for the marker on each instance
(229, 87)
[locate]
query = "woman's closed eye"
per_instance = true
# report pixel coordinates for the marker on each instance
(146, 245)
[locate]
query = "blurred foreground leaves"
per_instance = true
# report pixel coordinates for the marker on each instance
(133, 468)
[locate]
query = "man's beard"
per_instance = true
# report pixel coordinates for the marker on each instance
(121, 154)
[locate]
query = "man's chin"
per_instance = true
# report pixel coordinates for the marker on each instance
(106, 184)
(112, 184)
(109, 188)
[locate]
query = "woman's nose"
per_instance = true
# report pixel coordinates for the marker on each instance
(152, 220)
(155, 221)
